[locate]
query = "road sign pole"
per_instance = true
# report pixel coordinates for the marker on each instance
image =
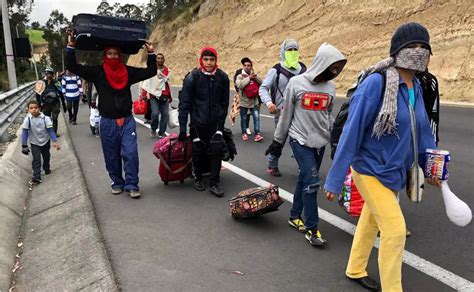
(8, 46)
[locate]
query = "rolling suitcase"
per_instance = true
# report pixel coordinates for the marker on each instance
(254, 202)
(175, 158)
(95, 32)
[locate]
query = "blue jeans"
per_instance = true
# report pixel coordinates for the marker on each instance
(159, 108)
(309, 160)
(120, 144)
(256, 119)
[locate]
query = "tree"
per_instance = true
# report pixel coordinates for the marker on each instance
(104, 9)
(35, 25)
(55, 35)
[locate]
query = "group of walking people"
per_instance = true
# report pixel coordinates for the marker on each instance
(387, 128)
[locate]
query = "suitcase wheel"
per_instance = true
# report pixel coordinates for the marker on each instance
(181, 181)
(166, 183)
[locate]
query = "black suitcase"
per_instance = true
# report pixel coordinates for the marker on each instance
(95, 32)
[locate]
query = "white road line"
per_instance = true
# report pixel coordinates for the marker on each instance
(450, 279)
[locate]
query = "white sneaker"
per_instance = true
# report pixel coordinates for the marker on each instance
(117, 191)
(248, 131)
(135, 194)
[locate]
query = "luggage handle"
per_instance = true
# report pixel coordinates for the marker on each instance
(106, 26)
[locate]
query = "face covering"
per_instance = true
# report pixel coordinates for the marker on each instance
(413, 59)
(327, 75)
(115, 72)
(291, 59)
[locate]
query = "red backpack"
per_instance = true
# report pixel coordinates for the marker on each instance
(251, 90)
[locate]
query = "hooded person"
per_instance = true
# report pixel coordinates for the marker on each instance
(273, 86)
(385, 136)
(205, 98)
(118, 136)
(307, 120)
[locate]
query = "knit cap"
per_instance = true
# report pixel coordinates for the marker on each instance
(409, 33)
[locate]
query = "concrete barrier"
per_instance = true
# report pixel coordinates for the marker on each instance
(62, 247)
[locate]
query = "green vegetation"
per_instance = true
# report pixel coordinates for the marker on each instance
(36, 36)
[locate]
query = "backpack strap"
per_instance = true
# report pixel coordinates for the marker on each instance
(287, 74)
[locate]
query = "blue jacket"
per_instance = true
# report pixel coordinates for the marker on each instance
(390, 157)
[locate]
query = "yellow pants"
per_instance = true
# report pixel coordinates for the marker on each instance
(382, 212)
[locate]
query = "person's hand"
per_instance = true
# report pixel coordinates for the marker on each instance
(84, 98)
(93, 104)
(272, 108)
(274, 149)
(25, 150)
(330, 196)
(252, 76)
(71, 41)
(434, 181)
(149, 47)
(182, 136)
(56, 146)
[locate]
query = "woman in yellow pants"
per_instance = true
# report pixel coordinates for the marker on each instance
(386, 133)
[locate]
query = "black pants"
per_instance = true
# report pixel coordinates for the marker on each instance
(72, 109)
(37, 152)
(208, 150)
(52, 110)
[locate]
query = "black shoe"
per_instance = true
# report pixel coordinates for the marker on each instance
(216, 191)
(70, 121)
(74, 122)
(366, 282)
(199, 186)
(47, 171)
(36, 181)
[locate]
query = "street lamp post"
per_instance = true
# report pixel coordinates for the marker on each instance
(8, 46)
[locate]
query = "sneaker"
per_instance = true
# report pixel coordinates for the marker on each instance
(216, 191)
(36, 181)
(117, 191)
(47, 171)
(199, 186)
(70, 121)
(248, 131)
(135, 194)
(274, 171)
(314, 237)
(258, 138)
(74, 122)
(153, 133)
(245, 137)
(297, 223)
(58, 135)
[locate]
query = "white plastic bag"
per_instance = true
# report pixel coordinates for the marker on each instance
(458, 212)
(173, 120)
(94, 117)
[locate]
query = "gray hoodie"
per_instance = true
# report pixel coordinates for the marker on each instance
(307, 105)
(269, 83)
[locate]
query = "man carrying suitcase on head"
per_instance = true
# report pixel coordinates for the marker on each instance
(205, 97)
(117, 125)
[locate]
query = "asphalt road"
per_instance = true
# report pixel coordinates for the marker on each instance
(177, 239)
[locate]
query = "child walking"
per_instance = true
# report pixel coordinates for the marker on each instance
(38, 128)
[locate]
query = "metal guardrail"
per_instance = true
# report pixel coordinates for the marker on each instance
(11, 105)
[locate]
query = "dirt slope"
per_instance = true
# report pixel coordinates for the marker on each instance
(360, 29)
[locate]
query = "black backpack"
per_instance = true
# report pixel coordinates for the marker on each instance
(287, 74)
(342, 115)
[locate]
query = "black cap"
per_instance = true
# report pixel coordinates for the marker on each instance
(245, 60)
(409, 33)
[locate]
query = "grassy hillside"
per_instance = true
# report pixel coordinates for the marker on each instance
(35, 36)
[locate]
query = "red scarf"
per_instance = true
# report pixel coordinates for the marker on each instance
(201, 64)
(115, 71)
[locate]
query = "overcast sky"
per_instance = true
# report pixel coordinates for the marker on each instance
(42, 8)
